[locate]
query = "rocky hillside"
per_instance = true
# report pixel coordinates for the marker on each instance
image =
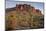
(24, 16)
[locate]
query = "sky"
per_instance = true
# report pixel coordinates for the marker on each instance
(37, 5)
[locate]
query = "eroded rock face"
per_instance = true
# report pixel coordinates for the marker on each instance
(21, 18)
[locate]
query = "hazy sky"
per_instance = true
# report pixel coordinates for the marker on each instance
(11, 3)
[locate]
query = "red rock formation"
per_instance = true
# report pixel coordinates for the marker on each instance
(23, 7)
(21, 16)
(33, 10)
(38, 12)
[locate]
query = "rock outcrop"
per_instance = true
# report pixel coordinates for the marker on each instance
(23, 16)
